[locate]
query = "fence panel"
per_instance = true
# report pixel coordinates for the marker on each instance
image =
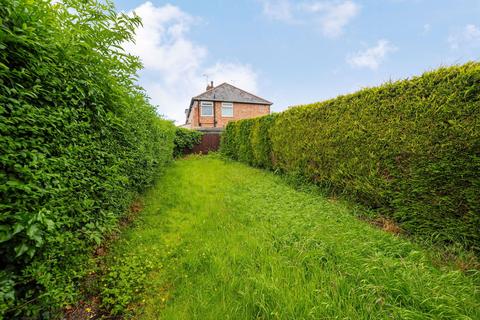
(210, 142)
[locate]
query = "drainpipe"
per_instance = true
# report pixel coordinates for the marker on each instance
(198, 114)
(214, 115)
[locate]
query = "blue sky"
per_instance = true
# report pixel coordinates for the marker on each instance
(295, 52)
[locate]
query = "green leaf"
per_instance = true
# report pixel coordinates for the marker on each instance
(5, 233)
(34, 233)
(17, 228)
(21, 249)
(50, 224)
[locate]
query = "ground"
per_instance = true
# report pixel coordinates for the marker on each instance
(219, 240)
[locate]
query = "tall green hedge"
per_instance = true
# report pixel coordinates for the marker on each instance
(249, 141)
(228, 140)
(185, 139)
(410, 149)
(260, 141)
(78, 141)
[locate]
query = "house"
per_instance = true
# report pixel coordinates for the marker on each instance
(218, 105)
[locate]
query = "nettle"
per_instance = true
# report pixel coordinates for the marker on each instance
(78, 139)
(409, 149)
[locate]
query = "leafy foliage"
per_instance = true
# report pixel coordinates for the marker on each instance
(79, 140)
(249, 141)
(123, 282)
(410, 149)
(260, 141)
(228, 142)
(185, 139)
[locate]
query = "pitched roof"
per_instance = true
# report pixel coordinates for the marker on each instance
(227, 92)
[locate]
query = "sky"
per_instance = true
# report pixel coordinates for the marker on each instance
(294, 52)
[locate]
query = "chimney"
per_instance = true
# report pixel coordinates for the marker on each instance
(210, 86)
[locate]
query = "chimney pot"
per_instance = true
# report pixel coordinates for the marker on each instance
(210, 86)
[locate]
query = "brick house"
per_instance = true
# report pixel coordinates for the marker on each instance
(218, 105)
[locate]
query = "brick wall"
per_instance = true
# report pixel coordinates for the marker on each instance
(240, 111)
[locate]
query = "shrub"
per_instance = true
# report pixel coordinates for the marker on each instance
(410, 149)
(260, 141)
(79, 140)
(228, 141)
(185, 140)
(244, 147)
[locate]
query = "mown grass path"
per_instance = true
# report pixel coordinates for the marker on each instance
(226, 241)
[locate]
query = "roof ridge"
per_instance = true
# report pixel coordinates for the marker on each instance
(237, 88)
(247, 92)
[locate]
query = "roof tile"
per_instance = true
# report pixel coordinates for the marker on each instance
(227, 92)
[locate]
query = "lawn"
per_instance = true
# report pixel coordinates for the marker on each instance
(220, 240)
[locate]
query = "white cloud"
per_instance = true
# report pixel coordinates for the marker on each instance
(239, 75)
(278, 10)
(334, 16)
(467, 37)
(174, 65)
(330, 16)
(372, 57)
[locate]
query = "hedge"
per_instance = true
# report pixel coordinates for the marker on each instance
(185, 139)
(409, 149)
(79, 140)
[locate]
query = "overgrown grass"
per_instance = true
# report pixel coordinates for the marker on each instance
(220, 240)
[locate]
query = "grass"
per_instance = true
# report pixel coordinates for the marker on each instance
(220, 240)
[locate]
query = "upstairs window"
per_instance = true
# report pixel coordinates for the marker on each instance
(227, 109)
(206, 108)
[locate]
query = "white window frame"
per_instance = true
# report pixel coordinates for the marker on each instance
(227, 105)
(206, 104)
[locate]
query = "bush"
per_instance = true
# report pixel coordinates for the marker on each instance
(410, 149)
(185, 140)
(260, 141)
(244, 147)
(228, 140)
(79, 140)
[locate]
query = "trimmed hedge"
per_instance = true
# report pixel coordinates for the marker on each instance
(185, 139)
(79, 140)
(410, 149)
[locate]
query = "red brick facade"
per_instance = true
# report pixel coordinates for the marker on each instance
(237, 104)
(240, 111)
